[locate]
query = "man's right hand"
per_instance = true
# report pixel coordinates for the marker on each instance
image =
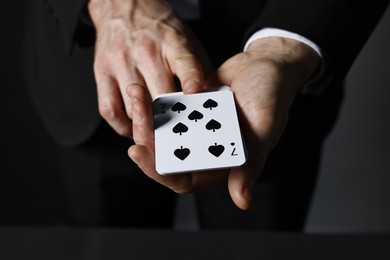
(141, 42)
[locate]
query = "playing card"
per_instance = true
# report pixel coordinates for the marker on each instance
(197, 132)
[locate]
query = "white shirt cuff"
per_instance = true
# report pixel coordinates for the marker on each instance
(314, 86)
(273, 32)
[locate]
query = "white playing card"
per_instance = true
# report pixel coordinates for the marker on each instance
(197, 132)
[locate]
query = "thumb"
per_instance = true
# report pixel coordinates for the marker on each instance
(240, 187)
(241, 182)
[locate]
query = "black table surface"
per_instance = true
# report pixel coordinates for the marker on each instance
(57, 243)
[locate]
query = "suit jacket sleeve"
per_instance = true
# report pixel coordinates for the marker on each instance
(67, 14)
(339, 28)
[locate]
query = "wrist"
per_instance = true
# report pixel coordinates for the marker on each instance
(102, 10)
(299, 62)
(136, 14)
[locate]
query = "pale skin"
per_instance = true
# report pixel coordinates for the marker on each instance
(142, 45)
(143, 42)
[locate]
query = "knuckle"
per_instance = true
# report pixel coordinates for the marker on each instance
(100, 68)
(174, 36)
(184, 58)
(187, 62)
(146, 46)
(124, 131)
(107, 110)
(121, 56)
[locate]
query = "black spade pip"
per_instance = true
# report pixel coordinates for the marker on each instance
(210, 104)
(195, 115)
(213, 125)
(182, 153)
(178, 107)
(180, 128)
(216, 149)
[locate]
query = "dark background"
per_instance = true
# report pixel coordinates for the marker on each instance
(29, 190)
(353, 192)
(354, 187)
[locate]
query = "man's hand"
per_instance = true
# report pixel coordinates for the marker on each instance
(265, 80)
(140, 42)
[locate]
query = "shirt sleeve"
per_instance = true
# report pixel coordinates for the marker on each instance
(339, 27)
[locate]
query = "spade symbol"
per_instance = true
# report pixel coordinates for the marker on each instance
(216, 150)
(210, 104)
(178, 107)
(182, 153)
(180, 128)
(213, 125)
(195, 115)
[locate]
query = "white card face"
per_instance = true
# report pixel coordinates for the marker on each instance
(197, 132)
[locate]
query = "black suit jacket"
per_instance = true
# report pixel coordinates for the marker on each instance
(59, 50)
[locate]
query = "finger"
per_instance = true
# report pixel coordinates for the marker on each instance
(158, 80)
(143, 156)
(187, 68)
(111, 107)
(242, 180)
(155, 72)
(239, 188)
(128, 77)
(142, 111)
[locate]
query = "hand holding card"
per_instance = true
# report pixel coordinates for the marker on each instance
(143, 153)
(265, 80)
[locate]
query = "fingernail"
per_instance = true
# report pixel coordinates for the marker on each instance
(191, 85)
